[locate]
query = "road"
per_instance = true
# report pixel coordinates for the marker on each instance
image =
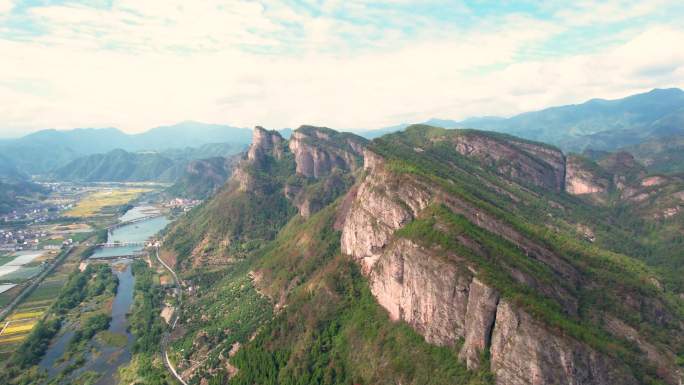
(165, 339)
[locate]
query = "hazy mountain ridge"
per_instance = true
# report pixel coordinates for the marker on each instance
(598, 124)
(165, 166)
(44, 151)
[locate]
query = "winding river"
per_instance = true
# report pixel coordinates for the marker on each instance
(107, 359)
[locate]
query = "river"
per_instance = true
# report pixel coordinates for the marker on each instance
(107, 359)
(135, 232)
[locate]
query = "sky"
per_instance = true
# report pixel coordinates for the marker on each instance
(345, 64)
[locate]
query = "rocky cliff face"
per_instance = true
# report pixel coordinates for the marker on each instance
(650, 197)
(316, 165)
(581, 178)
(524, 351)
(265, 143)
(440, 293)
(532, 163)
(318, 151)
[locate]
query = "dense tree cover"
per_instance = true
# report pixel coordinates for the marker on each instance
(145, 323)
(15, 194)
(246, 218)
(338, 334)
(93, 281)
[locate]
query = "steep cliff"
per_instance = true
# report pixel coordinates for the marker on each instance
(268, 184)
(453, 257)
(533, 163)
(441, 255)
(319, 150)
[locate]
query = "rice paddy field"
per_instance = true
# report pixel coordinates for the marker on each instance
(17, 326)
(94, 203)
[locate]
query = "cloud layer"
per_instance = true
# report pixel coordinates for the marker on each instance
(346, 64)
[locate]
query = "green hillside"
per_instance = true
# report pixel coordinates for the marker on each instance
(327, 326)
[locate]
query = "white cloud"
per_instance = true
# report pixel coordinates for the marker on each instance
(6, 6)
(149, 63)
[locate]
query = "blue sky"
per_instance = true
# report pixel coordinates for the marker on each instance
(351, 64)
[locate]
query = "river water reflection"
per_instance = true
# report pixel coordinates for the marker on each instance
(103, 359)
(135, 232)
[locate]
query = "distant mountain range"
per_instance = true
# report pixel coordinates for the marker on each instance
(124, 166)
(45, 151)
(598, 124)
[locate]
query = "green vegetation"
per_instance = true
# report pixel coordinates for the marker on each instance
(202, 178)
(18, 193)
(331, 332)
(33, 347)
(145, 323)
(441, 227)
(95, 283)
(547, 220)
(87, 331)
(112, 339)
(97, 202)
(147, 328)
(229, 310)
(97, 278)
(338, 334)
(327, 328)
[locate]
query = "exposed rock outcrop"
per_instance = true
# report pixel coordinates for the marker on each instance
(429, 294)
(441, 295)
(585, 177)
(531, 163)
(320, 160)
(480, 317)
(525, 352)
(318, 151)
(264, 143)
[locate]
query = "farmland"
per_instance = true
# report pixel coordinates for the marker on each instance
(19, 324)
(94, 203)
(16, 328)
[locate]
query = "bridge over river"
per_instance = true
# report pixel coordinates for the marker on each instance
(121, 244)
(132, 221)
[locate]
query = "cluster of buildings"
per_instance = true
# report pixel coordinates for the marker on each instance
(16, 240)
(19, 239)
(182, 204)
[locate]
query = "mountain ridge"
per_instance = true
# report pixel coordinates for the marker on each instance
(435, 222)
(44, 151)
(599, 124)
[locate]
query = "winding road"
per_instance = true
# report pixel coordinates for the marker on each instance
(165, 339)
